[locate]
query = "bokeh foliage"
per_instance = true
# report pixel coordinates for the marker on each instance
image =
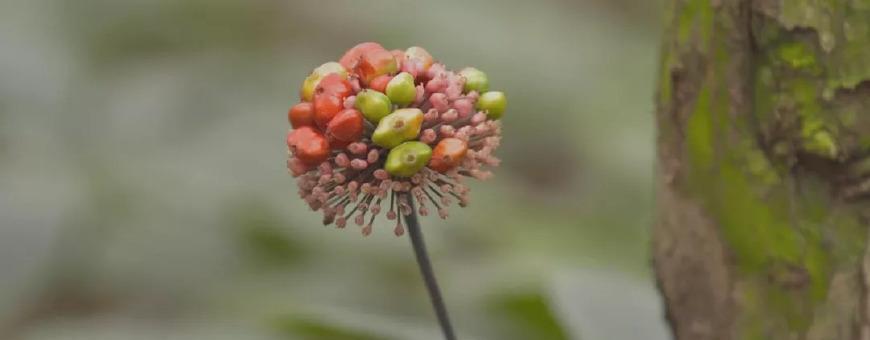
(143, 192)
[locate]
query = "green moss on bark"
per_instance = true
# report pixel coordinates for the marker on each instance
(843, 30)
(787, 231)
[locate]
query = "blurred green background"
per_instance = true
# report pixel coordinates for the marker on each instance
(144, 195)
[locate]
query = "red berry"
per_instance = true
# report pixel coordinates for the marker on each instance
(301, 114)
(376, 63)
(352, 57)
(448, 154)
(346, 126)
(380, 83)
(326, 106)
(329, 98)
(308, 145)
(335, 84)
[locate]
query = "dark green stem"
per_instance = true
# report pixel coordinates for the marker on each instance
(419, 245)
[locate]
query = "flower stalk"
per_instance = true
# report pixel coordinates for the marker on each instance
(416, 236)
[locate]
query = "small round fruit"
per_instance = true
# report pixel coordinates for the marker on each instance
(326, 106)
(310, 83)
(401, 89)
(376, 63)
(308, 145)
(329, 98)
(380, 83)
(448, 154)
(352, 57)
(301, 114)
(493, 103)
(407, 159)
(335, 84)
(475, 80)
(346, 126)
(373, 105)
(397, 127)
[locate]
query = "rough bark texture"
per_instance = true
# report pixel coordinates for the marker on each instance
(764, 169)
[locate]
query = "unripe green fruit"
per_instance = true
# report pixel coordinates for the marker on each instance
(407, 159)
(493, 103)
(401, 89)
(397, 127)
(310, 83)
(475, 80)
(373, 105)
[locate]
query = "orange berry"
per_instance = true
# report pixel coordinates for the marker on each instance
(448, 154)
(335, 84)
(329, 98)
(308, 145)
(326, 106)
(351, 58)
(301, 114)
(346, 126)
(376, 63)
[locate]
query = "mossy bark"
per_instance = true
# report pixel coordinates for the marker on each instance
(764, 169)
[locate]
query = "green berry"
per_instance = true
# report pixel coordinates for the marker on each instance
(493, 103)
(373, 105)
(397, 127)
(401, 89)
(475, 80)
(407, 159)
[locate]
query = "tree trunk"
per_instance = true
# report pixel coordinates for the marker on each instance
(764, 169)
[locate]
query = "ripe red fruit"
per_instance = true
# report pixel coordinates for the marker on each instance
(326, 106)
(301, 114)
(448, 154)
(308, 145)
(335, 84)
(376, 63)
(346, 126)
(352, 57)
(380, 83)
(329, 98)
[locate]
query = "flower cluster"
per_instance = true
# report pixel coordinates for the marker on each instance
(384, 128)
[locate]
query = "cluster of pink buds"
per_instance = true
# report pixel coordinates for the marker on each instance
(387, 128)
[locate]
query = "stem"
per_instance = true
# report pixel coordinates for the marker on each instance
(416, 236)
